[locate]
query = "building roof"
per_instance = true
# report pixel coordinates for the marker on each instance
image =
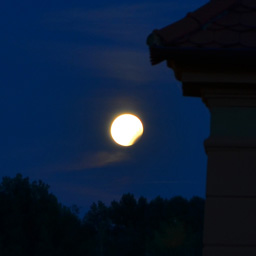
(218, 25)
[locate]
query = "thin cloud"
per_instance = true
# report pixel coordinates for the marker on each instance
(113, 38)
(121, 23)
(123, 64)
(115, 62)
(173, 182)
(94, 160)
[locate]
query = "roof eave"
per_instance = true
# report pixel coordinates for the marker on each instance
(228, 55)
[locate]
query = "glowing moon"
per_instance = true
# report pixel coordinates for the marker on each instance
(126, 129)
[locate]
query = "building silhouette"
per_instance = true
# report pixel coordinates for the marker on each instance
(212, 52)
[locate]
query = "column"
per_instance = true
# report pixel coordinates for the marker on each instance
(230, 211)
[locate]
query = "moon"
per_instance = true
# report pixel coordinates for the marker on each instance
(126, 129)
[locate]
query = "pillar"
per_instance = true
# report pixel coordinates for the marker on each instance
(230, 211)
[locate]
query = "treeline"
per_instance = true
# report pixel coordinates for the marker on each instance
(32, 222)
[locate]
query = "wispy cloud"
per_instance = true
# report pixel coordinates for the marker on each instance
(118, 63)
(113, 62)
(157, 182)
(119, 22)
(112, 40)
(93, 160)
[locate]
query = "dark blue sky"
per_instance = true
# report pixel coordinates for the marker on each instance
(67, 68)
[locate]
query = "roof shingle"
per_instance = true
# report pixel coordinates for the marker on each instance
(220, 24)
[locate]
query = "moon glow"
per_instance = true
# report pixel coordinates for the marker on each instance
(126, 129)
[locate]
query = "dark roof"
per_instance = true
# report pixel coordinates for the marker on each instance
(218, 25)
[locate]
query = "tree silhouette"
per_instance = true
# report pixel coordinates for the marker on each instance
(33, 222)
(160, 227)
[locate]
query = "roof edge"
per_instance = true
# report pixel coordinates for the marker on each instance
(193, 21)
(161, 53)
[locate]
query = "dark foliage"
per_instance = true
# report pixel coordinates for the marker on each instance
(32, 222)
(136, 227)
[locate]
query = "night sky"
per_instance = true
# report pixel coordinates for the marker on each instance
(67, 68)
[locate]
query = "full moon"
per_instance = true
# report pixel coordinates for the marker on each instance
(126, 129)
